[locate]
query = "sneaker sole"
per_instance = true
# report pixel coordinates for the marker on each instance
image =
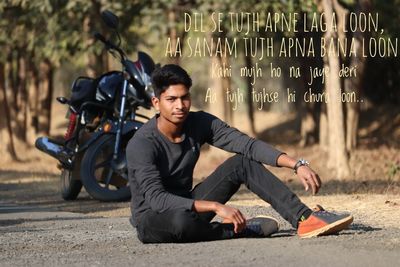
(330, 228)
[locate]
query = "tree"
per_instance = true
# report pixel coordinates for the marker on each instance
(7, 146)
(45, 35)
(164, 17)
(338, 157)
(356, 83)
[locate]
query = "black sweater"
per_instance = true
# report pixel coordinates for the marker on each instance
(161, 172)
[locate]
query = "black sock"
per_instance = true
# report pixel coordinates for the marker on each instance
(305, 215)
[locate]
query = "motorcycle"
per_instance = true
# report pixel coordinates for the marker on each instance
(102, 119)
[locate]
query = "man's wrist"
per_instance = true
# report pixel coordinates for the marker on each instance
(216, 206)
(286, 161)
(299, 163)
(205, 206)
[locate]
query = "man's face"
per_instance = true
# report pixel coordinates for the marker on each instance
(174, 103)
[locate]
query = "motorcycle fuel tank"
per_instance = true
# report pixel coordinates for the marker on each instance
(108, 85)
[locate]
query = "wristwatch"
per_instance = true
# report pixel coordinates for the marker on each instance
(300, 162)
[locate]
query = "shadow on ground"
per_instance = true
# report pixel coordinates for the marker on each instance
(45, 193)
(13, 174)
(52, 219)
(334, 187)
(360, 228)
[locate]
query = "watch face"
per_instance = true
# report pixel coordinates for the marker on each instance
(304, 162)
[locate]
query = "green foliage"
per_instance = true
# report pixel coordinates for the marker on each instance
(53, 29)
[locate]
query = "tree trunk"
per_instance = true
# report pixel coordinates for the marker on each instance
(11, 80)
(323, 129)
(46, 86)
(173, 35)
(308, 124)
(337, 145)
(250, 107)
(216, 90)
(32, 107)
(34, 93)
(95, 61)
(226, 85)
(10, 90)
(22, 98)
(218, 86)
(15, 77)
(6, 134)
(355, 83)
(351, 108)
(309, 111)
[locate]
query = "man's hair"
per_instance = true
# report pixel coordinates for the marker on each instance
(167, 75)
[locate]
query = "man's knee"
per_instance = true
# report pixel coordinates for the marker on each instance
(244, 166)
(242, 161)
(184, 224)
(236, 161)
(181, 219)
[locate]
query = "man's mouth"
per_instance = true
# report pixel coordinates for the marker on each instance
(180, 114)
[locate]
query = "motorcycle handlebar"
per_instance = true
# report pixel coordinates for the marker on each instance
(100, 37)
(109, 45)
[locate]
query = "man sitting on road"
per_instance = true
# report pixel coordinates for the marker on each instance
(161, 158)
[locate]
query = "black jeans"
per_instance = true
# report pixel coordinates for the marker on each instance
(189, 226)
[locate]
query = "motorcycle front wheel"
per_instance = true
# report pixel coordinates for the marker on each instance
(98, 176)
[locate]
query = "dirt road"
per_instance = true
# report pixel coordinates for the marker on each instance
(31, 236)
(38, 228)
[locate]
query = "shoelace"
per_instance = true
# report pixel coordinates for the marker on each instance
(318, 208)
(323, 213)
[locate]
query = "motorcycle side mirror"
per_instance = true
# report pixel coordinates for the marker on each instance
(62, 100)
(110, 19)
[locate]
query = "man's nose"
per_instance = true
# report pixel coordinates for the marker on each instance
(179, 103)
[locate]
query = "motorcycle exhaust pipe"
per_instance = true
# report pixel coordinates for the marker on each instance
(53, 148)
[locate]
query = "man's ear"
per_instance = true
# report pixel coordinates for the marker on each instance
(156, 102)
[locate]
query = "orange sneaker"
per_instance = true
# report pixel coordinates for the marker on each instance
(322, 222)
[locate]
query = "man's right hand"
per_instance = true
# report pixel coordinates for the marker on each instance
(228, 214)
(231, 215)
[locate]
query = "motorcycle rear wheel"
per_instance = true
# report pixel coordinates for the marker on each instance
(70, 184)
(97, 175)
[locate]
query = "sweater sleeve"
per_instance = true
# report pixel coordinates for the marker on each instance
(142, 169)
(230, 139)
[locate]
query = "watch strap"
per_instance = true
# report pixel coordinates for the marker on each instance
(299, 163)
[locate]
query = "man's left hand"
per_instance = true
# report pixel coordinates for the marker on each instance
(309, 178)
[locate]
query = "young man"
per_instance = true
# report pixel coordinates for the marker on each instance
(161, 158)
